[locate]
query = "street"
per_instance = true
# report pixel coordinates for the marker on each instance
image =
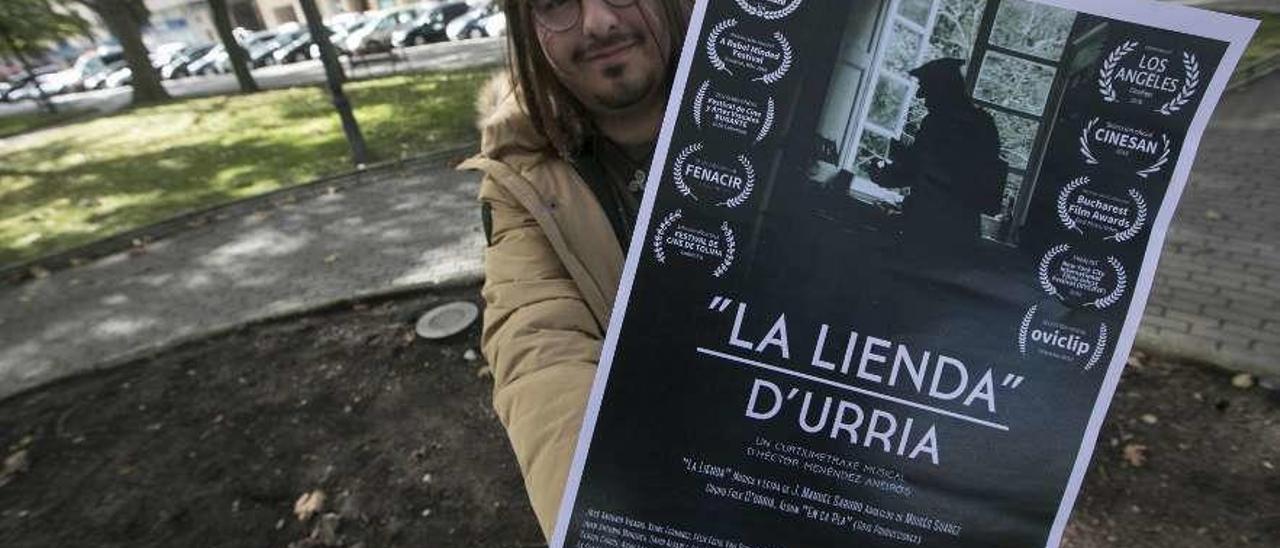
(439, 56)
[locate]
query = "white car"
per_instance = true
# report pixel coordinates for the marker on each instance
(375, 35)
(495, 25)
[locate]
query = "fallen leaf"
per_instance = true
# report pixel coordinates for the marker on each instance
(1243, 380)
(331, 258)
(308, 505)
(1150, 419)
(470, 355)
(1135, 454)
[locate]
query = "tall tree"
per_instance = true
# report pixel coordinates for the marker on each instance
(126, 19)
(235, 54)
(26, 27)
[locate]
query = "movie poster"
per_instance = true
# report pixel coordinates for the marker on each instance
(892, 257)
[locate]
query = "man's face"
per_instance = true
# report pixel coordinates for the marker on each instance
(614, 59)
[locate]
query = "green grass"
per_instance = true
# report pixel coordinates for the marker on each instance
(30, 121)
(1267, 40)
(83, 181)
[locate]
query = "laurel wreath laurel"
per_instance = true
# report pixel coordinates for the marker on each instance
(1064, 200)
(766, 14)
(1025, 327)
(767, 124)
(1122, 283)
(730, 250)
(1098, 347)
(1190, 84)
(1089, 158)
(713, 39)
(678, 166)
(1160, 162)
(1107, 73)
(1043, 271)
(784, 66)
(698, 99)
(749, 176)
(1139, 219)
(660, 234)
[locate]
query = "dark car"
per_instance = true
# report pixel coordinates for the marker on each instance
(429, 27)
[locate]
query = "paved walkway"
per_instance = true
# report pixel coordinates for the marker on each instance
(1217, 291)
(396, 230)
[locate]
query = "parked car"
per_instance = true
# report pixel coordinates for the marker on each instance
(208, 63)
(258, 47)
(298, 49)
(179, 65)
(429, 27)
(122, 76)
(495, 25)
(341, 29)
(471, 24)
(375, 35)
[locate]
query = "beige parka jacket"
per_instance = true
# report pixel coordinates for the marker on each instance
(551, 273)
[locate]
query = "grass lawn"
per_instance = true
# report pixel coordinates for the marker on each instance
(22, 123)
(84, 181)
(1267, 40)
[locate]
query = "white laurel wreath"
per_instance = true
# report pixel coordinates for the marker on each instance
(698, 99)
(1098, 347)
(1064, 199)
(1160, 162)
(678, 177)
(660, 234)
(1026, 325)
(1122, 283)
(783, 66)
(749, 174)
(767, 124)
(1043, 271)
(1084, 142)
(1139, 219)
(1191, 82)
(730, 249)
(769, 15)
(713, 39)
(1107, 72)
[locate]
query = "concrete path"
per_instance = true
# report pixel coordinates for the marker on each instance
(1217, 291)
(396, 230)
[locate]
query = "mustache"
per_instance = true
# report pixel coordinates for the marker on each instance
(597, 45)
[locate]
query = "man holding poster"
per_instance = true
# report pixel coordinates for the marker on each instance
(787, 362)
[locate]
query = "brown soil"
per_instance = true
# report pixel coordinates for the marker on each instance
(212, 443)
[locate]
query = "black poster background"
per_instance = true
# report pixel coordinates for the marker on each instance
(671, 421)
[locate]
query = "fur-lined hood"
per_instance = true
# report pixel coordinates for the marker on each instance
(506, 133)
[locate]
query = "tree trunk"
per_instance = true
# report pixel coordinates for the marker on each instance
(333, 80)
(235, 54)
(124, 20)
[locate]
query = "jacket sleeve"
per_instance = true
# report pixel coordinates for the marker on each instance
(543, 344)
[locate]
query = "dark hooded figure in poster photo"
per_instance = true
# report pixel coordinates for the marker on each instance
(951, 172)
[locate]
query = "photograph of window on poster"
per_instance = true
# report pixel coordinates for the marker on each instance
(887, 270)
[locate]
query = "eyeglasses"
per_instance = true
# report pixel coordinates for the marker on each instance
(562, 15)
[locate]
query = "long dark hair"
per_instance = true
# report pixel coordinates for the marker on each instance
(554, 111)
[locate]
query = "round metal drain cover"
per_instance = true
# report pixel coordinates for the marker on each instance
(447, 320)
